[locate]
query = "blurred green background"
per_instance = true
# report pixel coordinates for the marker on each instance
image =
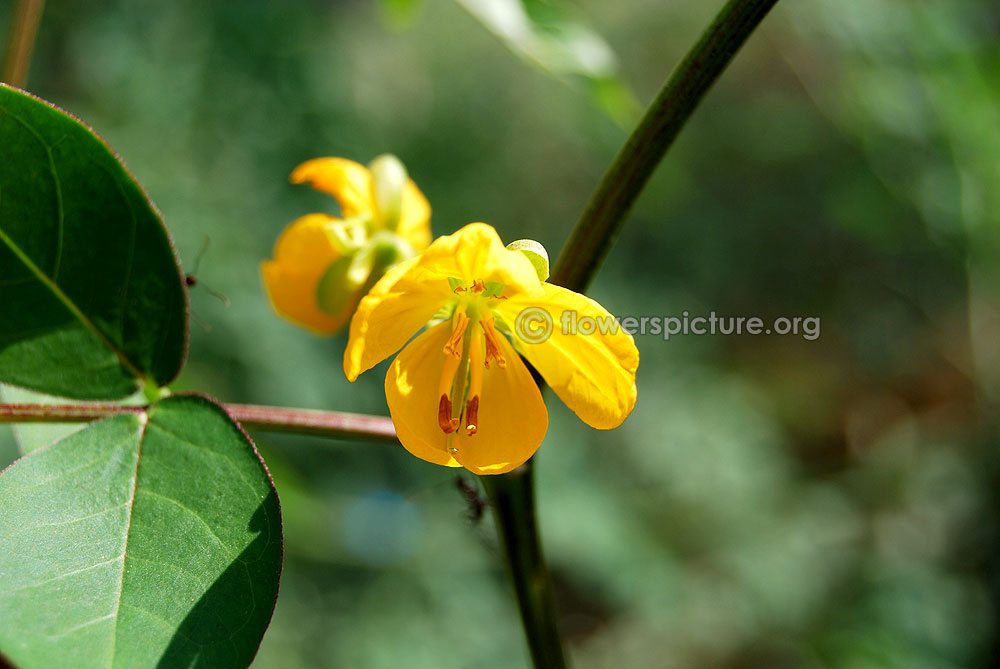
(772, 501)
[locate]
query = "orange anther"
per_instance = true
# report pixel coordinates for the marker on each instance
(445, 421)
(472, 415)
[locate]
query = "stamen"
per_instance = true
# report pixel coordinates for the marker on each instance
(472, 415)
(476, 365)
(454, 344)
(493, 350)
(478, 286)
(451, 363)
(445, 421)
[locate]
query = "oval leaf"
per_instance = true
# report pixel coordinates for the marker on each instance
(93, 297)
(143, 540)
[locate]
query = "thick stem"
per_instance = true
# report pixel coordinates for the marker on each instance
(605, 212)
(513, 500)
(272, 419)
(512, 495)
(21, 41)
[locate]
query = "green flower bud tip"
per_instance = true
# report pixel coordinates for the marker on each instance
(536, 253)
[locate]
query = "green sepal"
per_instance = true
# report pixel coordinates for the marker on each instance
(387, 249)
(493, 289)
(338, 288)
(349, 278)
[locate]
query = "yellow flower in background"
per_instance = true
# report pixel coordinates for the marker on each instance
(459, 393)
(323, 265)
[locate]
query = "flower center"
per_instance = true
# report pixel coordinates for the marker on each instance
(473, 344)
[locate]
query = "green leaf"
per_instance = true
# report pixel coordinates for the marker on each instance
(151, 539)
(545, 34)
(93, 298)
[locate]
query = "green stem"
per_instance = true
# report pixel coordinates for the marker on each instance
(512, 495)
(605, 212)
(513, 500)
(335, 424)
(21, 42)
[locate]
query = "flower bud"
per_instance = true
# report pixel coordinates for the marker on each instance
(536, 253)
(388, 180)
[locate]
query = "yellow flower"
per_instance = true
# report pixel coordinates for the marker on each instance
(322, 264)
(459, 393)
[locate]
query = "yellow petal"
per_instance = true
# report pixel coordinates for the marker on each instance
(594, 374)
(512, 419)
(476, 252)
(302, 253)
(415, 217)
(346, 180)
(411, 392)
(396, 307)
(512, 416)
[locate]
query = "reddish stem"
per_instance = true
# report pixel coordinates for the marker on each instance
(273, 419)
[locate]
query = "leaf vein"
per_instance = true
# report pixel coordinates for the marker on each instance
(38, 584)
(227, 551)
(202, 449)
(81, 626)
(82, 518)
(128, 531)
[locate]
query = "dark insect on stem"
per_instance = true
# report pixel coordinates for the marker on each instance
(477, 502)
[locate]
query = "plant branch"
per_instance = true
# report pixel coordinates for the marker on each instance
(512, 497)
(320, 423)
(605, 213)
(333, 424)
(21, 41)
